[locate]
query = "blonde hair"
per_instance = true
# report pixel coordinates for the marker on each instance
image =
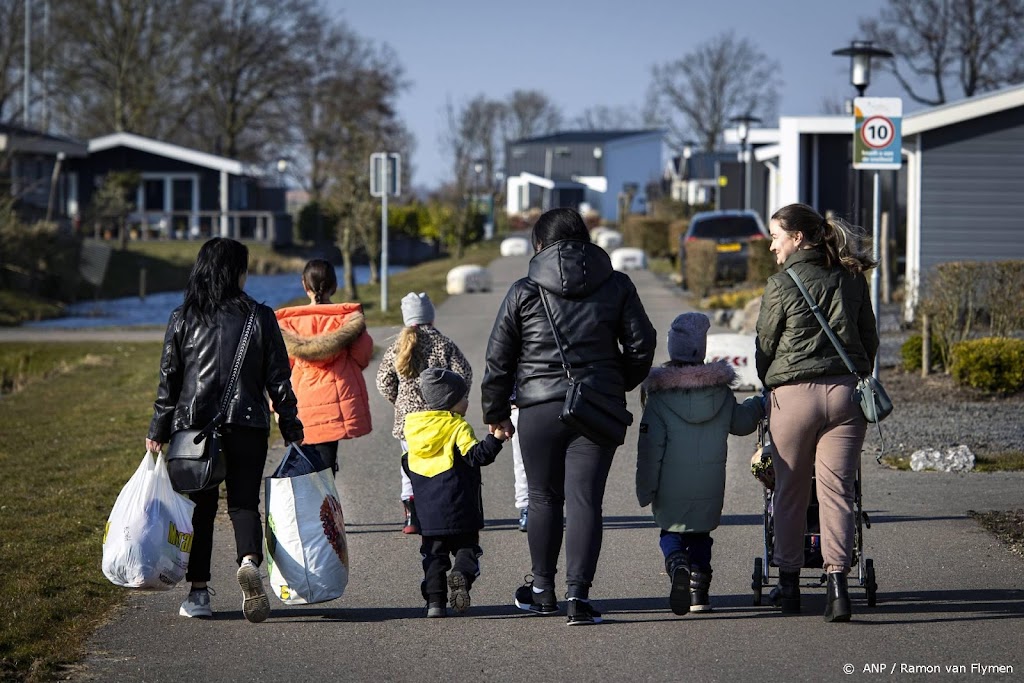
(405, 349)
(842, 243)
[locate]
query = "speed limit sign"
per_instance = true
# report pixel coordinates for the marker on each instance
(876, 137)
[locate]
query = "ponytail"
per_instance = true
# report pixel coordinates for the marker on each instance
(405, 355)
(842, 243)
(319, 278)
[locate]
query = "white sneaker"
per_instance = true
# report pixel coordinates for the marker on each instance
(197, 604)
(255, 604)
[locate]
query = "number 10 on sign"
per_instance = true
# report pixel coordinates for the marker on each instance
(876, 136)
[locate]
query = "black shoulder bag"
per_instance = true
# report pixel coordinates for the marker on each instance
(874, 401)
(599, 417)
(194, 460)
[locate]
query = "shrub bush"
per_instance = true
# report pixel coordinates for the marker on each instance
(316, 221)
(994, 364)
(761, 263)
(701, 266)
(676, 230)
(735, 299)
(910, 353)
(649, 234)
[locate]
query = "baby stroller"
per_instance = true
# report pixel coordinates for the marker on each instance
(762, 470)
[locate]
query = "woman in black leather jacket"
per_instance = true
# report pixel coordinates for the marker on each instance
(610, 346)
(199, 349)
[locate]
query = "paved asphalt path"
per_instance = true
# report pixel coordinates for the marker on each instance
(949, 594)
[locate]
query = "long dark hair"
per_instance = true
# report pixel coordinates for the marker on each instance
(319, 277)
(213, 282)
(842, 243)
(559, 224)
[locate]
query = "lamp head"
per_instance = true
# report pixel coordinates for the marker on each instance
(860, 53)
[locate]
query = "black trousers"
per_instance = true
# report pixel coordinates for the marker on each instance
(566, 475)
(328, 452)
(436, 552)
(246, 452)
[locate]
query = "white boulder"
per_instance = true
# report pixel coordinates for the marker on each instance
(607, 239)
(467, 279)
(956, 459)
(515, 246)
(629, 258)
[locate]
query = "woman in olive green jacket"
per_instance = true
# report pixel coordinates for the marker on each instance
(816, 423)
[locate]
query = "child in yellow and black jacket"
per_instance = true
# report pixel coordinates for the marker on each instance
(443, 463)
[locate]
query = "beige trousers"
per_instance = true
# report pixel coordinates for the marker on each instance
(818, 430)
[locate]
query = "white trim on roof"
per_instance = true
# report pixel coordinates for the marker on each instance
(766, 152)
(166, 149)
(756, 136)
(964, 110)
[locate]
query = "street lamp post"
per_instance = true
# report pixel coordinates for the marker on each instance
(684, 172)
(478, 167)
(743, 124)
(860, 53)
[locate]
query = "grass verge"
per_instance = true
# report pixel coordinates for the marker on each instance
(1007, 526)
(429, 277)
(1012, 461)
(19, 307)
(70, 440)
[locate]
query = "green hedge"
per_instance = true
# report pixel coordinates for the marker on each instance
(701, 266)
(994, 364)
(649, 234)
(761, 263)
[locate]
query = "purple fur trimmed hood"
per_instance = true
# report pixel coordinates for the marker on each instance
(663, 378)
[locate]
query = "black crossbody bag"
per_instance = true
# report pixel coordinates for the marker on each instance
(599, 417)
(874, 401)
(194, 459)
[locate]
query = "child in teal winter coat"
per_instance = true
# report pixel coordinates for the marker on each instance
(689, 412)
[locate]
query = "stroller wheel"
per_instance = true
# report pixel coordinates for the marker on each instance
(869, 584)
(757, 579)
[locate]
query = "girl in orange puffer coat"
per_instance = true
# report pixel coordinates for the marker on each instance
(328, 348)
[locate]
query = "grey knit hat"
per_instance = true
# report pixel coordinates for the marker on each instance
(417, 309)
(688, 338)
(441, 388)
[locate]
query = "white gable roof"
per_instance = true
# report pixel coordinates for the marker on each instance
(964, 110)
(166, 149)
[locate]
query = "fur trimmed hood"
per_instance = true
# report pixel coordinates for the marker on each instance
(326, 345)
(664, 378)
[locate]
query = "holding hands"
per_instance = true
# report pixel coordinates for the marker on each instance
(503, 430)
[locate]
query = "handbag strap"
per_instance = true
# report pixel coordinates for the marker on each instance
(236, 369)
(554, 332)
(835, 342)
(824, 323)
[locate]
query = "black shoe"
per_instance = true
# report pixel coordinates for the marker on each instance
(459, 595)
(542, 603)
(677, 566)
(787, 594)
(838, 606)
(436, 610)
(700, 584)
(582, 613)
(522, 518)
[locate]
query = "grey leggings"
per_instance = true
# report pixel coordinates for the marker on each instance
(562, 469)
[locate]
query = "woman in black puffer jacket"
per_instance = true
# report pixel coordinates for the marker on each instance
(199, 349)
(610, 346)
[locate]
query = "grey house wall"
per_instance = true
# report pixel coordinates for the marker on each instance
(567, 159)
(972, 191)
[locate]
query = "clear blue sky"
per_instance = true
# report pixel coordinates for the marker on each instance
(595, 52)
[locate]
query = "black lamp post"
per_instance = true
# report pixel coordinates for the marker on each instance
(743, 124)
(860, 53)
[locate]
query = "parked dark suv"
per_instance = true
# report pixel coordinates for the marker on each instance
(732, 231)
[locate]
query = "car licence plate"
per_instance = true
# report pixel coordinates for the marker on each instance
(728, 247)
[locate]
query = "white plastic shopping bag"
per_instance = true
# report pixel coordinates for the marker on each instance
(307, 553)
(148, 536)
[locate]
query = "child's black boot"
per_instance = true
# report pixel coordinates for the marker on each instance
(700, 584)
(787, 594)
(677, 566)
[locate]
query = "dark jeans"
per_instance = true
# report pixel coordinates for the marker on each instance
(566, 475)
(328, 452)
(436, 550)
(697, 545)
(246, 453)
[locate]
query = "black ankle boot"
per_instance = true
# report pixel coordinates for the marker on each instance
(700, 584)
(677, 566)
(787, 594)
(838, 606)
